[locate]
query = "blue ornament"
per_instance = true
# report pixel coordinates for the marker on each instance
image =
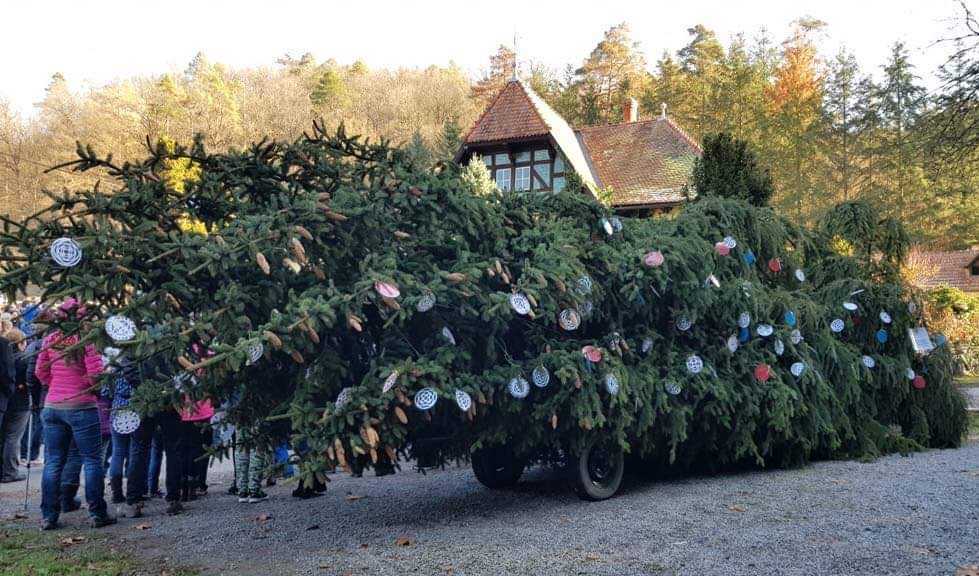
(790, 318)
(744, 335)
(749, 258)
(882, 336)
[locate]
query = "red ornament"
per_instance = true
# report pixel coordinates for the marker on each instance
(775, 265)
(386, 289)
(763, 372)
(653, 259)
(592, 353)
(918, 382)
(722, 249)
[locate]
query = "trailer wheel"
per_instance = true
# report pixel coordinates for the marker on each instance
(596, 473)
(497, 467)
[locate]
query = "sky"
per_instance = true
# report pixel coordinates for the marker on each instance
(94, 43)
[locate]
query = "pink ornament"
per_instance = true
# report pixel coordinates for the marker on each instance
(918, 382)
(775, 265)
(763, 372)
(592, 353)
(653, 259)
(722, 249)
(387, 289)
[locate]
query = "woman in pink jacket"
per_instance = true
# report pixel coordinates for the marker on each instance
(71, 414)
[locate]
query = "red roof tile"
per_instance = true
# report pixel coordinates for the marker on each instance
(644, 163)
(946, 268)
(510, 116)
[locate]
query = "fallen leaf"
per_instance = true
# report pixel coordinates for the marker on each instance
(71, 540)
(402, 541)
(353, 497)
(839, 482)
(592, 557)
(735, 508)
(143, 526)
(263, 517)
(924, 550)
(969, 570)
(363, 546)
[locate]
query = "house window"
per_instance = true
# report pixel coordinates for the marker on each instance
(503, 179)
(539, 169)
(542, 176)
(522, 180)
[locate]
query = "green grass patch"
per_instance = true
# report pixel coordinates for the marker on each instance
(25, 552)
(974, 424)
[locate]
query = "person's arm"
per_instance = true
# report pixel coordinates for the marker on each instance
(42, 369)
(93, 363)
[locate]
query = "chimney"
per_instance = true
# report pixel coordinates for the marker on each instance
(631, 111)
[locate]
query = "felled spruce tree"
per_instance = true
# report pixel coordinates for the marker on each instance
(343, 289)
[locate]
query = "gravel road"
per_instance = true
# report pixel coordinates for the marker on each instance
(896, 515)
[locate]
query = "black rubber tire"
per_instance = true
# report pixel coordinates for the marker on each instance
(596, 474)
(497, 467)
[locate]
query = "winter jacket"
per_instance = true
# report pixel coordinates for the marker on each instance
(8, 373)
(69, 385)
(200, 412)
(21, 400)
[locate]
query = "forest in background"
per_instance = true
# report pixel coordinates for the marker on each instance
(826, 129)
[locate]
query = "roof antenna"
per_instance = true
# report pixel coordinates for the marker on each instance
(662, 110)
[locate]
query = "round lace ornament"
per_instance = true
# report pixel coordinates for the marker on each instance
(343, 398)
(520, 304)
(519, 387)
(694, 364)
(120, 328)
(463, 400)
(125, 421)
(426, 398)
(569, 319)
(66, 252)
(837, 325)
(255, 352)
(426, 302)
(797, 369)
(541, 376)
(673, 389)
(611, 384)
(779, 347)
(765, 330)
(744, 320)
(390, 381)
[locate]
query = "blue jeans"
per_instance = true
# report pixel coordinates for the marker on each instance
(135, 450)
(121, 445)
(61, 427)
(155, 462)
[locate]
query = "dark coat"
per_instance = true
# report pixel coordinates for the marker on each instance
(8, 373)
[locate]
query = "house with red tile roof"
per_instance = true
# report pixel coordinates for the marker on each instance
(955, 268)
(643, 165)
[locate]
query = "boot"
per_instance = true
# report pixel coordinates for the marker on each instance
(115, 483)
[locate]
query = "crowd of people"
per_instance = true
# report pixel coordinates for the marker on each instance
(54, 394)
